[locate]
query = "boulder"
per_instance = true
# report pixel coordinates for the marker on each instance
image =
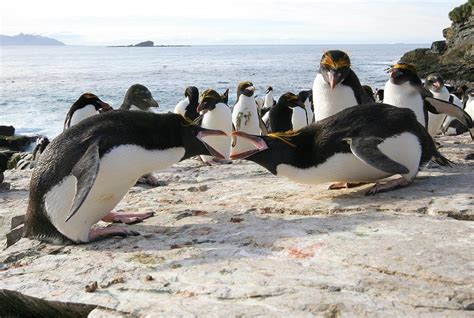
(438, 47)
(7, 130)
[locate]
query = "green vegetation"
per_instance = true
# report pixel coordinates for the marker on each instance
(461, 13)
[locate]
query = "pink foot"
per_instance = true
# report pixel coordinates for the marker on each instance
(345, 185)
(151, 180)
(388, 186)
(105, 232)
(127, 218)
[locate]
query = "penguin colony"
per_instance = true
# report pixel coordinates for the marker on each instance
(335, 132)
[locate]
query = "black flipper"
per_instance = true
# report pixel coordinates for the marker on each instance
(438, 106)
(367, 150)
(85, 171)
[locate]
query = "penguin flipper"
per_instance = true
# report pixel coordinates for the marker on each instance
(366, 149)
(262, 125)
(438, 106)
(85, 171)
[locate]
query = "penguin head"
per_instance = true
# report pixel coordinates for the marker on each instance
(404, 72)
(192, 93)
(245, 88)
(434, 82)
(334, 67)
(225, 96)
(305, 95)
(92, 99)
(290, 100)
(192, 138)
(140, 96)
(209, 99)
(469, 94)
(269, 89)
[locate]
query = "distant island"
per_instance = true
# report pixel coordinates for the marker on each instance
(28, 39)
(147, 44)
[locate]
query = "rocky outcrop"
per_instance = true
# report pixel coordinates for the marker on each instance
(145, 44)
(453, 58)
(236, 241)
(28, 39)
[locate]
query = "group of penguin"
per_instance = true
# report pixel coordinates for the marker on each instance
(332, 133)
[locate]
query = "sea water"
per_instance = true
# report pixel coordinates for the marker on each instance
(39, 84)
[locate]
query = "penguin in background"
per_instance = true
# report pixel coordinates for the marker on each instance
(307, 98)
(268, 102)
(87, 170)
(87, 105)
(138, 97)
(435, 84)
(379, 95)
(288, 114)
(336, 86)
(245, 114)
(364, 143)
(455, 127)
(216, 116)
(405, 89)
(225, 97)
(187, 106)
(369, 92)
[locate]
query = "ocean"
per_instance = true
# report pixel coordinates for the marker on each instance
(39, 84)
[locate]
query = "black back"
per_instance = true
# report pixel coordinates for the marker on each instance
(314, 144)
(280, 118)
(192, 93)
(353, 82)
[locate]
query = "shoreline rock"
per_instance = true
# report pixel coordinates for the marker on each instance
(453, 58)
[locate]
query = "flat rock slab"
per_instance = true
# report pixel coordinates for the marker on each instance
(235, 240)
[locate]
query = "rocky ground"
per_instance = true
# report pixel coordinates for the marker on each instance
(234, 240)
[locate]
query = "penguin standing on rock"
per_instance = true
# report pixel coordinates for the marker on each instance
(187, 106)
(85, 172)
(87, 105)
(216, 115)
(336, 86)
(138, 97)
(307, 98)
(364, 143)
(244, 114)
(404, 89)
(435, 84)
(288, 114)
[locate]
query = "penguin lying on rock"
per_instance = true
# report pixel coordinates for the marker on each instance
(85, 172)
(87, 105)
(364, 143)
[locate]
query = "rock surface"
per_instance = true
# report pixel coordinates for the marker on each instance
(234, 240)
(454, 60)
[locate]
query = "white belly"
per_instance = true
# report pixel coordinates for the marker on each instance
(404, 149)
(244, 115)
(309, 112)
(298, 118)
(405, 96)
(219, 118)
(180, 108)
(470, 107)
(82, 113)
(327, 101)
(119, 171)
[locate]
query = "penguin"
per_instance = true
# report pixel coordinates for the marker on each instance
(138, 97)
(87, 105)
(216, 115)
(454, 127)
(404, 89)
(225, 97)
(369, 92)
(307, 98)
(435, 84)
(85, 171)
(363, 143)
(268, 102)
(187, 106)
(379, 95)
(288, 114)
(244, 113)
(336, 86)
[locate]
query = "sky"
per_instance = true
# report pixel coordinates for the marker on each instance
(99, 22)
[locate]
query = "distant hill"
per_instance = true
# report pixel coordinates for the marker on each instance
(28, 39)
